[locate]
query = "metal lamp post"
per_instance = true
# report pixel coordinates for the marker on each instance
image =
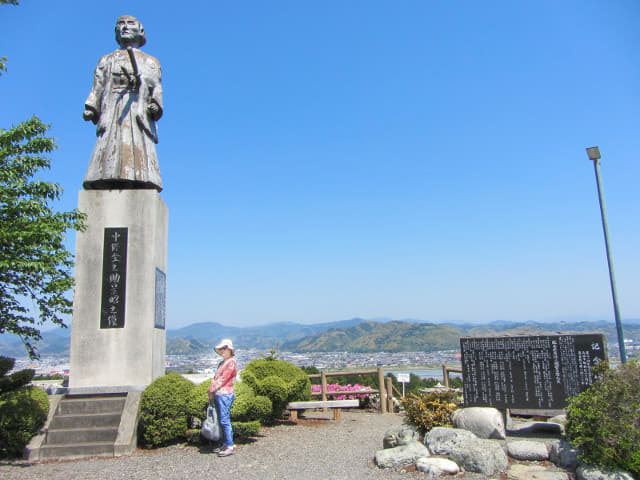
(594, 155)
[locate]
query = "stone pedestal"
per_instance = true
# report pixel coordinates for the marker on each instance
(118, 336)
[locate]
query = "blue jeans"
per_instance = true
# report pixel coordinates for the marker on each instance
(223, 406)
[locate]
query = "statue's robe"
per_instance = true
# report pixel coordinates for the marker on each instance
(125, 154)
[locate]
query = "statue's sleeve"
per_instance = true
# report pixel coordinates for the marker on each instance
(150, 93)
(94, 100)
(156, 94)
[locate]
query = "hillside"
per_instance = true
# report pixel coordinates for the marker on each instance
(202, 337)
(380, 337)
(354, 335)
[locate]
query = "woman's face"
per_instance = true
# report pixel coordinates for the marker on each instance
(225, 352)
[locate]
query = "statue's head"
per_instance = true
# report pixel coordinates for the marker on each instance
(129, 32)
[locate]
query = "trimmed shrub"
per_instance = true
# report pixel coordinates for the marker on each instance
(282, 382)
(249, 407)
(275, 389)
(17, 379)
(244, 430)
(242, 388)
(22, 413)
(198, 400)
(165, 411)
(427, 410)
(604, 420)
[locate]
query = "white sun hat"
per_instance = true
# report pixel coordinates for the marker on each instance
(224, 343)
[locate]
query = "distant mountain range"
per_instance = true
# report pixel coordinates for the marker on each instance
(354, 335)
(369, 337)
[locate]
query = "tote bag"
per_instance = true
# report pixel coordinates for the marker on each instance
(211, 427)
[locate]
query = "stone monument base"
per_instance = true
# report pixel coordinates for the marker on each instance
(118, 336)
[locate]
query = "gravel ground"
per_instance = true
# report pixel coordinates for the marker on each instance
(316, 448)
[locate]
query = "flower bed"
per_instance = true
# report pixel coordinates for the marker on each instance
(317, 389)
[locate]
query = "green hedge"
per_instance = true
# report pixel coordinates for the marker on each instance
(22, 413)
(249, 407)
(604, 420)
(165, 411)
(282, 382)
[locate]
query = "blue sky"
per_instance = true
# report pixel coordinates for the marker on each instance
(326, 160)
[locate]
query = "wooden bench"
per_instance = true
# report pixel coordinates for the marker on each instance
(336, 405)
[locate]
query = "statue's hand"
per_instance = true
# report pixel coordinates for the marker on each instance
(153, 110)
(88, 115)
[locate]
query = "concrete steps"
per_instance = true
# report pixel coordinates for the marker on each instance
(84, 425)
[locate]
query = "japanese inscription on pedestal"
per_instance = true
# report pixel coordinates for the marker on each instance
(534, 372)
(114, 275)
(161, 299)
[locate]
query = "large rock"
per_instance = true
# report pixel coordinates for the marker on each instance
(484, 422)
(400, 435)
(518, 471)
(480, 455)
(588, 472)
(528, 450)
(441, 440)
(563, 454)
(401, 456)
(437, 466)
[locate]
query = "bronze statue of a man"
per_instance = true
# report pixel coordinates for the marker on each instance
(125, 104)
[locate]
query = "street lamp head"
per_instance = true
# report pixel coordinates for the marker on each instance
(594, 153)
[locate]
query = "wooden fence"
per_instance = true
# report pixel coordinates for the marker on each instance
(384, 386)
(445, 374)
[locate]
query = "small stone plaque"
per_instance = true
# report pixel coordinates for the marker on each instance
(528, 372)
(114, 276)
(161, 299)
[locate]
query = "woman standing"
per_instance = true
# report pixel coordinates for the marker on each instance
(222, 393)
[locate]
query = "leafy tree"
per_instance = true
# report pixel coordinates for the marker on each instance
(35, 266)
(310, 370)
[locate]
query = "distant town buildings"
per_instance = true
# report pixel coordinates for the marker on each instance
(332, 361)
(205, 364)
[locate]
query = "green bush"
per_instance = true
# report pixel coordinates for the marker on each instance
(22, 413)
(198, 400)
(249, 407)
(6, 364)
(282, 382)
(17, 379)
(244, 430)
(427, 410)
(604, 420)
(165, 411)
(276, 390)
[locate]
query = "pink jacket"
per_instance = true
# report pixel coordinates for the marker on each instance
(222, 383)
